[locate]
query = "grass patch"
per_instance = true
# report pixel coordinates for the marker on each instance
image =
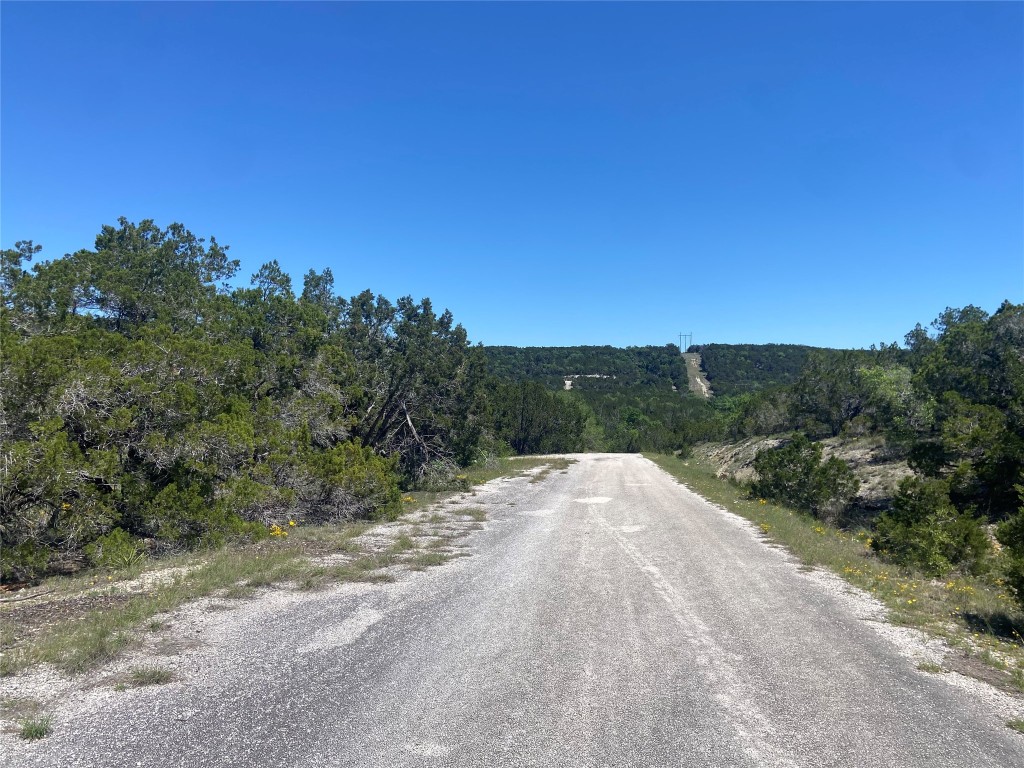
(150, 676)
(552, 466)
(927, 666)
(83, 643)
(477, 515)
(328, 539)
(1017, 725)
(425, 560)
(512, 466)
(35, 728)
(973, 615)
(403, 544)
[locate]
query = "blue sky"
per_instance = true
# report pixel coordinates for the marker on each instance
(576, 173)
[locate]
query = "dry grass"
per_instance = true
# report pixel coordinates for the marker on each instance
(150, 676)
(79, 643)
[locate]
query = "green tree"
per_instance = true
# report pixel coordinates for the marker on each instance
(974, 371)
(925, 530)
(795, 474)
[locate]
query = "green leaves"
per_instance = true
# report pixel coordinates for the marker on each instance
(142, 399)
(794, 474)
(925, 530)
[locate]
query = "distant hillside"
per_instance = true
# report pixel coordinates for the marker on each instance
(735, 368)
(597, 368)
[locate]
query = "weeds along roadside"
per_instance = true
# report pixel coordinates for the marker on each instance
(974, 616)
(105, 617)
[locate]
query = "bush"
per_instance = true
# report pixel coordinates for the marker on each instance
(116, 550)
(25, 562)
(925, 530)
(794, 474)
(350, 480)
(1011, 536)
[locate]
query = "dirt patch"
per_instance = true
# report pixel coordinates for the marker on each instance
(26, 620)
(974, 668)
(698, 382)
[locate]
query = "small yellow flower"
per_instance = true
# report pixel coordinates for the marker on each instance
(762, 501)
(291, 523)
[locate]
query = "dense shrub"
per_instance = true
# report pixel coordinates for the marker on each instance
(925, 530)
(142, 399)
(794, 474)
(1011, 536)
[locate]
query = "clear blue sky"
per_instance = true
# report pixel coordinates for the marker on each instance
(555, 174)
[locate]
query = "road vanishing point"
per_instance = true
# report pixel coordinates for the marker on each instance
(604, 616)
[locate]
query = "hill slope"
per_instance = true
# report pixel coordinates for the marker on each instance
(735, 368)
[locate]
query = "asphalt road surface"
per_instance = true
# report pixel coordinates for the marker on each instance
(606, 617)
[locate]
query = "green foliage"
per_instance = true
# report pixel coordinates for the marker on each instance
(767, 411)
(1011, 535)
(595, 368)
(115, 550)
(532, 419)
(829, 393)
(352, 477)
(629, 399)
(734, 369)
(35, 728)
(794, 474)
(143, 398)
(24, 561)
(951, 402)
(925, 530)
(897, 409)
(974, 371)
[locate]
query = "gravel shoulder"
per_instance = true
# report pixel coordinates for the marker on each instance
(604, 616)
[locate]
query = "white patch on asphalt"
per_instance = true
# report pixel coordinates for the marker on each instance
(631, 528)
(538, 513)
(345, 633)
(594, 500)
(427, 749)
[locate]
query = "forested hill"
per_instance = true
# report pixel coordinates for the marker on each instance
(651, 366)
(732, 369)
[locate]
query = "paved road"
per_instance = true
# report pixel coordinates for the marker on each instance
(607, 617)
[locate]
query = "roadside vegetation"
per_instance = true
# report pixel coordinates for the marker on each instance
(149, 406)
(944, 547)
(81, 621)
(949, 406)
(622, 400)
(976, 615)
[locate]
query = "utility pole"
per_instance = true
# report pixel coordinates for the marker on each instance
(680, 343)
